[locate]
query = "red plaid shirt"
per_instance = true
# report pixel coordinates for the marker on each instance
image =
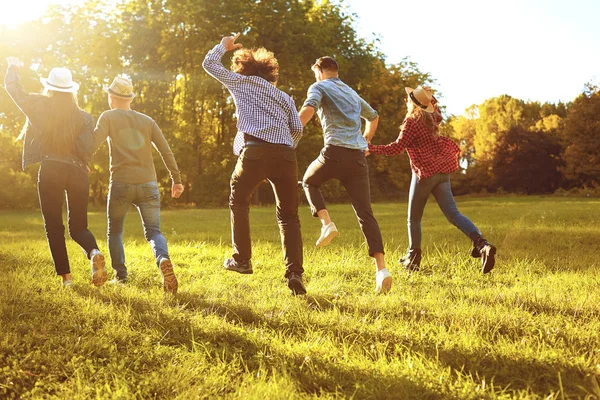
(429, 154)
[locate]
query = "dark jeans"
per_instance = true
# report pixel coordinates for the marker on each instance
(277, 164)
(439, 185)
(350, 167)
(146, 199)
(54, 178)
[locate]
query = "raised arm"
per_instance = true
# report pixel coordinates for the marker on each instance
(163, 148)
(14, 87)
(213, 65)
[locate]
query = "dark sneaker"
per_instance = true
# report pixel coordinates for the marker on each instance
(484, 250)
(170, 283)
(242, 267)
(488, 257)
(411, 260)
(295, 283)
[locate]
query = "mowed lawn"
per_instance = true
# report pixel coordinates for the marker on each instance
(530, 329)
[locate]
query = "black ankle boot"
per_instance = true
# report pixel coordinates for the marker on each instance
(411, 260)
(484, 250)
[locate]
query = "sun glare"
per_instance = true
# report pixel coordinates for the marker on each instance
(13, 13)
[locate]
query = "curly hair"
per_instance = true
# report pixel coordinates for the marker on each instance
(256, 62)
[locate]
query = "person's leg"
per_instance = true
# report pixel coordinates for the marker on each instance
(417, 199)
(119, 201)
(283, 175)
(318, 172)
(356, 182)
(78, 191)
(147, 202)
(51, 192)
(443, 195)
(249, 172)
(481, 247)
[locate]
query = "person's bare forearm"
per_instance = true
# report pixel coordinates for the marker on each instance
(305, 114)
(370, 128)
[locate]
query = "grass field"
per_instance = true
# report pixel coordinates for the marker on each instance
(530, 329)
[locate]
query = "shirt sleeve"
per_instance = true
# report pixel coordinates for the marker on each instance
(14, 87)
(296, 127)
(213, 65)
(100, 132)
(313, 97)
(406, 136)
(85, 141)
(161, 145)
(366, 111)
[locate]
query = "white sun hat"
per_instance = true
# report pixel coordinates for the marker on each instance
(60, 80)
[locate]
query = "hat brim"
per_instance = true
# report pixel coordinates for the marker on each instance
(430, 108)
(121, 96)
(72, 89)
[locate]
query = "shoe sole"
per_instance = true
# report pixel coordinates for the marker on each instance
(170, 283)
(488, 259)
(99, 275)
(296, 287)
(386, 285)
(245, 272)
(327, 239)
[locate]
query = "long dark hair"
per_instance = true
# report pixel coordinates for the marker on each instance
(64, 123)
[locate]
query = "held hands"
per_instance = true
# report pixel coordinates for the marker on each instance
(14, 61)
(176, 190)
(229, 42)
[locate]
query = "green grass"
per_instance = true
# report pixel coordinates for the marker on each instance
(530, 329)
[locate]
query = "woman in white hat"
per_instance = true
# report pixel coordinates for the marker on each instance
(58, 135)
(432, 159)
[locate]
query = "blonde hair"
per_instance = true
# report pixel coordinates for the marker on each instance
(256, 62)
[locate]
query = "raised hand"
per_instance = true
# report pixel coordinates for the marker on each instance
(14, 61)
(229, 42)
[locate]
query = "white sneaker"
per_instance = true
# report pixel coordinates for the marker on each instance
(328, 232)
(383, 281)
(68, 284)
(99, 275)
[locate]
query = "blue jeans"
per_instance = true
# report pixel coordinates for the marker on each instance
(145, 198)
(439, 185)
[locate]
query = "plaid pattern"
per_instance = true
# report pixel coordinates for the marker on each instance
(429, 154)
(263, 111)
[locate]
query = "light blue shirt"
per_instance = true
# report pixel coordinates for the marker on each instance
(340, 109)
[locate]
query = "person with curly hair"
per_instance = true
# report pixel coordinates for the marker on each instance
(268, 131)
(432, 159)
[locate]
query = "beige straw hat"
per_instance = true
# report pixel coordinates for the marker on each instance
(121, 87)
(421, 97)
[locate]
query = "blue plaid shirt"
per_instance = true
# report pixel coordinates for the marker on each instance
(263, 111)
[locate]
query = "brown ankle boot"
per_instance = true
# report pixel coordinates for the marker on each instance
(484, 250)
(411, 260)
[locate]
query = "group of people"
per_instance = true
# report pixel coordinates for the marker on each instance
(63, 138)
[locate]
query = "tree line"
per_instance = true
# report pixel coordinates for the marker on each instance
(508, 144)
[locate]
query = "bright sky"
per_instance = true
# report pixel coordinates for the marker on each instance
(543, 50)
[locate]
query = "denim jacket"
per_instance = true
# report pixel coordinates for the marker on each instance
(35, 107)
